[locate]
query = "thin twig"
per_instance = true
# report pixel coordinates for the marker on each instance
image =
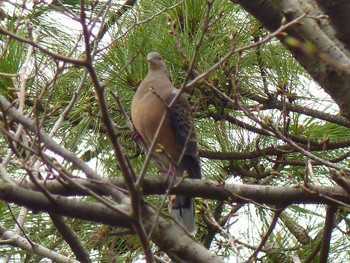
(135, 195)
(327, 234)
(70, 105)
(119, 13)
(77, 62)
(231, 240)
(242, 49)
(123, 112)
(20, 227)
(275, 131)
(307, 153)
(65, 174)
(141, 23)
(194, 57)
(266, 236)
(40, 250)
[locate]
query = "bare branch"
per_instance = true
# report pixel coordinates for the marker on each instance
(72, 207)
(266, 236)
(327, 234)
(37, 249)
(71, 238)
(242, 49)
(261, 194)
(135, 194)
(77, 62)
(169, 237)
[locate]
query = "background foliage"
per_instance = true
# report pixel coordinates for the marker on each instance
(248, 113)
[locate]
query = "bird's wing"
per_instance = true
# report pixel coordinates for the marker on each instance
(183, 129)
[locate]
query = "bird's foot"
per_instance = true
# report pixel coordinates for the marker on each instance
(171, 170)
(170, 174)
(136, 136)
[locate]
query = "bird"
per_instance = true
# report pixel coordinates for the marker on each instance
(176, 144)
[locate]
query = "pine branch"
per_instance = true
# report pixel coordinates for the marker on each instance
(71, 237)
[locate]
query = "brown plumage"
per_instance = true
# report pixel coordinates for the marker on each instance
(176, 137)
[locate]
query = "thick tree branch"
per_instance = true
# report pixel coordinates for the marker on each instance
(178, 244)
(326, 64)
(271, 195)
(169, 237)
(338, 13)
(71, 238)
(65, 206)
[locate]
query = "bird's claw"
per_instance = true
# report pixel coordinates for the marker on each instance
(170, 174)
(136, 136)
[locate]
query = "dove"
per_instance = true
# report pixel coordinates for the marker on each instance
(176, 149)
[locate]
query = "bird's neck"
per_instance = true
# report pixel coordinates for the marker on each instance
(157, 69)
(158, 75)
(157, 81)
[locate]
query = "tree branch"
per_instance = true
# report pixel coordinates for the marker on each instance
(327, 234)
(156, 184)
(65, 206)
(298, 231)
(332, 78)
(337, 11)
(169, 237)
(73, 61)
(266, 236)
(21, 242)
(71, 238)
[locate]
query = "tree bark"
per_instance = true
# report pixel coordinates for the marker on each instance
(329, 64)
(168, 236)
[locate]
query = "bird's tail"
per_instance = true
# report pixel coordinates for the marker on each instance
(182, 209)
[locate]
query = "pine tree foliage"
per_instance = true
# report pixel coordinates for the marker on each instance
(266, 97)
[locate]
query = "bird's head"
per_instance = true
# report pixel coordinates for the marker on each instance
(155, 62)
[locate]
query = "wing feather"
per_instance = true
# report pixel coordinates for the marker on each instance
(183, 127)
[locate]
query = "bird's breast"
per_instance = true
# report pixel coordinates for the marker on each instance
(147, 113)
